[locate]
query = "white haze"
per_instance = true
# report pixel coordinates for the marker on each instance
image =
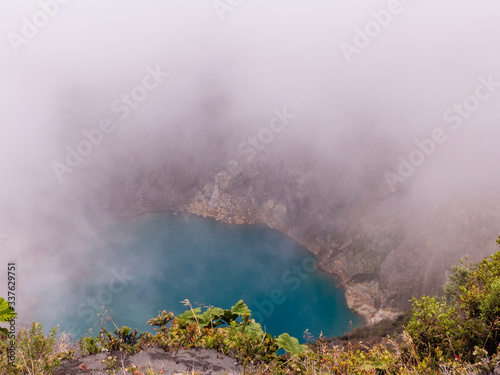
(225, 79)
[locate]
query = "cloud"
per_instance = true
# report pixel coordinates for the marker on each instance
(226, 77)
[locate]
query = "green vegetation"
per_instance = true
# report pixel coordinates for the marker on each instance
(36, 353)
(231, 332)
(6, 314)
(464, 325)
(456, 333)
(123, 339)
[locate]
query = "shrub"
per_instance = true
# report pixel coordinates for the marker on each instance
(468, 317)
(36, 353)
(230, 331)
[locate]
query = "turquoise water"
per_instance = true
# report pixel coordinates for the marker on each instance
(147, 264)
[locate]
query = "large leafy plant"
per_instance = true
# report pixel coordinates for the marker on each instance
(230, 331)
(290, 344)
(214, 317)
(6, 314)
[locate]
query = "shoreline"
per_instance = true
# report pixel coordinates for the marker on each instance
(358, 295)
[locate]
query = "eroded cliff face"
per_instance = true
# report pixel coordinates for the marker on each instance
(381, 248)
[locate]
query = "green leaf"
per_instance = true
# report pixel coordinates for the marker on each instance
(211, 316)
(254, 329)
(229, 317)
(6, 312)
(290, 344)
(4, 331)
(240, 308)
(215, 312)
(189, 316)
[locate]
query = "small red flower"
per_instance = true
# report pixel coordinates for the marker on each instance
(324, 359)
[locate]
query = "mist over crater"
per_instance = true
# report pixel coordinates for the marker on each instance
(365, 131)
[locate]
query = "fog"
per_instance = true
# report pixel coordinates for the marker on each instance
(214, 73)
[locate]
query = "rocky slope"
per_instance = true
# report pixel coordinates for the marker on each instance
(380, 246)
